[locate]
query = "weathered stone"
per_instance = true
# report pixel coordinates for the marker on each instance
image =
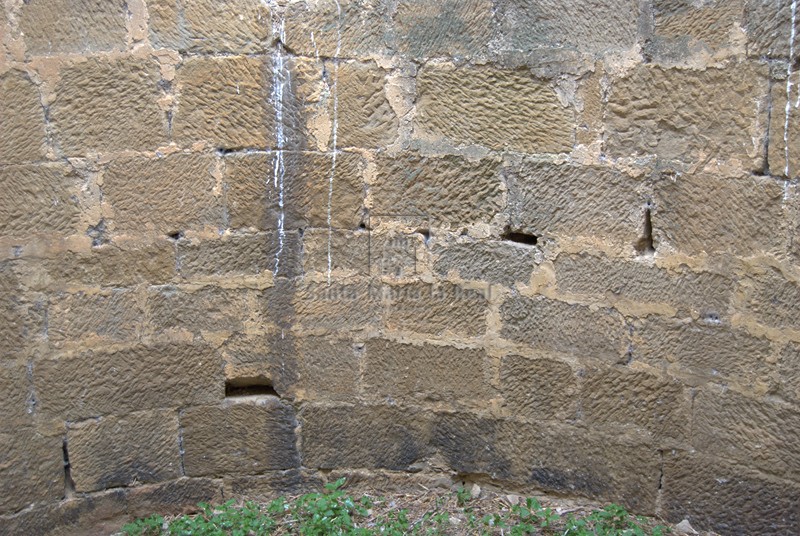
(31, 468)
(369, 437)
(432, 28)
(437, 190)
(17, 327)
(108, 105)
(614, 279)
(726, 498)
(120, 451)
(44, 197)
(500, 109)
(684, 27)
(230, 26)
(565, 201)
(111, 316)
(712, 352)
(620, 397)
(246, 437)
(437, 309)
(554, 326)
(171, 498)
(426, 373)
(756, 432)
(337, 306)
(224, 101)
(18, 397)
(789, 372)
(237, 254)
(538, 389)
(70, 27)
(265, 487)
(363, 115)
(272, 357)
(702, 213)
(768, 25)
(689, 116)
(505, 263)
(103, 382)
(774, 300)
(22, 117)
(165, 195)
(354, 251)
(206, 309)
(329, 367)
(784, 131)
(530, 25)
(253, 200)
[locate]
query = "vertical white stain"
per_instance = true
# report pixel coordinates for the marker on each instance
(334, 129)
(281, 76)
(789, 88)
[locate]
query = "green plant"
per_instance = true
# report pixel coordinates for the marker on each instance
(145, 527)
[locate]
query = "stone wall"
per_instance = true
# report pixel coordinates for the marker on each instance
(248, 246)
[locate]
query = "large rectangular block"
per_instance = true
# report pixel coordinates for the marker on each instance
(789, 372)
(22, 117)
(353, 305)
(113, 451)
(565, 201)
(329, 368)
(682, 27)
(108, 105)
(118, 381)
(31, 468)
(538, 389)
(703, 213)
(110, 316)
(239, 255)
(524, 115)
(773, 299)
(72, 27)
(206, 309)
(689, 116)
(554, 326)
(424, 373)
(436, 28)
(447, 189)
(437, 309)
(358, 252)
(21, 323)
(505, 263)
(247, 437)
(784, 130)
(19, 399)
(164, 195)
(768, 25)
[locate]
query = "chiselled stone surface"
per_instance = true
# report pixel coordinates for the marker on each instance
(330, 367)
(225, 101)
(774, 300)
(166, 195)
(247, 437)
(789, 372)
(438, 190)
(683, 27)
(435, 28)
(497, 262)
(108, 381)
(567, 201)
(426, 373)
(756, 432)
(363, 116)
(22, 117)
(768, 26)
(14, 326)
(44, 197)
(19, 398)
(231, 255)
(111, 316)
(355, 251)
(437, 309)
(253, 198)
(68, 26)
(613, 279)
(338, 306)
(108, 105)
(538, 389)
(784, 136)
(32, 469)
(118, 451)
(727, 498)
(689, 116)
(555, 326)
(211, 26)
(205, 309)
(499, 109)
(703, 213)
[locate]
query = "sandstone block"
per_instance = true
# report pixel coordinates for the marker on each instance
(120, 451)
(784, 142)
(505, 263)
(329, 367)
(111, 316)
(238, 254)
(434, 28)
(702, 213)
(440, 190)
(165, 195)
(73, 27)
(224, 101)
(242, 438)
(19, 400)
(525, 114)
(538, 389)
(755, 432)
(209, 26)
(31, 469)
(789, 372)
(103, 382)
(353, 251)
(368, 437)
(18, 327)
(206, 309)
(108, 105)
(266, 486)
(768, 26)
(426, 373)
(274, 357)
(563, 201)
(683, 27)
(690, 116)
(437, 309)
(727, 498)
(45, 200)
(253, 198)
(352, 305)
(172, 498)
(773, 300)
(613, 279)
(22, 117)
(554, 326)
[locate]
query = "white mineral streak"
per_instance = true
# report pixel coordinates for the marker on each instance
(789, 88)
(280, 77)
(334, 128)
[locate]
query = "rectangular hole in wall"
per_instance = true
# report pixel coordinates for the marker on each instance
(249, 386)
